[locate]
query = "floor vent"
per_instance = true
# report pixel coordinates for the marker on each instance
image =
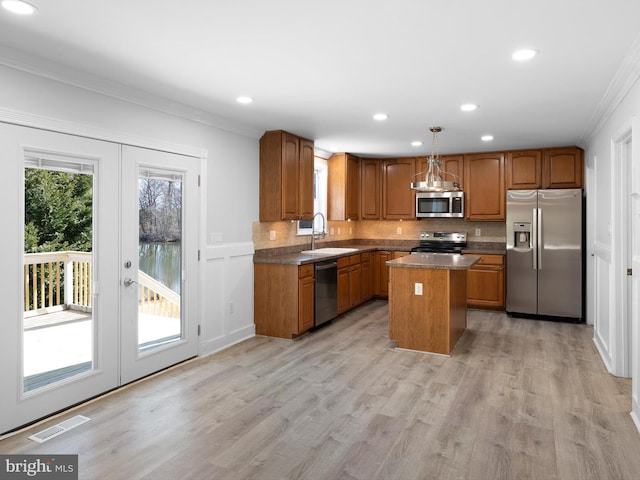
(58, 429)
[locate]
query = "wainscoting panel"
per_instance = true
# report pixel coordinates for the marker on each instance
(603, 328)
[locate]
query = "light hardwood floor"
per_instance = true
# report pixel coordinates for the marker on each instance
(518, 399)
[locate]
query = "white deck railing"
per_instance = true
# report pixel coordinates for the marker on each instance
(55, 281)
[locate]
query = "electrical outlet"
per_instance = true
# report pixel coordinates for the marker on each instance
(272, 234)
(417, 289)
(331, 231)
(478, 232)
(231, 307)
(399, 230)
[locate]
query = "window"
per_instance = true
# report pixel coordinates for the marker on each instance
(320, 173)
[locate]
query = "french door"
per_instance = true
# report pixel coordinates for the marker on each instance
(81, 314)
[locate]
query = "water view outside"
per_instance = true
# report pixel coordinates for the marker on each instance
(159, 259)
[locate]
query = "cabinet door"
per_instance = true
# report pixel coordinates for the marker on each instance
(380, 273)
(484, 186)
(398, 200)
(290, 176)
(305, 182)
(562, 168)
(344, 301)
(365, 278)
(352, 193)
(524, 170)
(369, 189)
(306, 310)
(485, 287)
(355, 291)
(452, 168)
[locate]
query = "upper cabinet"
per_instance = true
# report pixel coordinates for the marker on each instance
(484, 186)
(524, 170)
(286, 177)
(398, 200)
(548, 168)
(343, 190)
(562, 167)
(452, 167)
(369, 189)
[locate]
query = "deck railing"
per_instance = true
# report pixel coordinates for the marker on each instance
(63, 280)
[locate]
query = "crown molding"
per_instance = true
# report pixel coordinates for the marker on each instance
(623, 81)
(45, 68)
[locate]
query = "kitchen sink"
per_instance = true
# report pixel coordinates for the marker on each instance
(329, 251)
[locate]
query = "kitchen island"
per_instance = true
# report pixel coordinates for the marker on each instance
(427, 301)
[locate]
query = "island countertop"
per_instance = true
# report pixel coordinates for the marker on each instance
(436, 261)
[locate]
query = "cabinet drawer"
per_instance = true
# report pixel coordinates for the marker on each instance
(354, 259)
(305, 270)
(365, 257)
(343, 262)
(490, 260)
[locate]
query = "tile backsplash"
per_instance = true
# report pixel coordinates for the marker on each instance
(284, 234)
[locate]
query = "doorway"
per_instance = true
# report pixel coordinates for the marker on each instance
(85, 311)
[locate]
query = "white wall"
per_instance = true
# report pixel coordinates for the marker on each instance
(605, 275)
(231, 189)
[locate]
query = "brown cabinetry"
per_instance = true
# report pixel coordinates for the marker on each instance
(398, 200)
(283, 299)
(484, 186)
(524, 170)
(366, 291)
(380, 273)
(452, 167)
(286, 177)
(343, 190)
(369, 189)
(349, 283)
(485, 283)
(562, 167)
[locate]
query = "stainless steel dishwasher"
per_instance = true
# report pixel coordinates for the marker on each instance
(326, 291)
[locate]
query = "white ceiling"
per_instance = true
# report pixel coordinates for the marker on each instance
(322, 68)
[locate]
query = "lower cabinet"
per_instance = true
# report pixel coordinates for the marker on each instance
(485, 283)
(349, 283)
(283, 299)
(365, 277)
(380, 271)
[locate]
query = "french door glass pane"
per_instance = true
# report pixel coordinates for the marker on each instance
(160, 259)
(57, 322)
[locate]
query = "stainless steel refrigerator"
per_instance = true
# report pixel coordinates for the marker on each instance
(544, 253)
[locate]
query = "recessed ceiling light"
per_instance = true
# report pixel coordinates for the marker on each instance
(486, 138)
(468, 107)
(416, 143)
(524, 54)
(244, 99)
(19, 7)
(380, 116)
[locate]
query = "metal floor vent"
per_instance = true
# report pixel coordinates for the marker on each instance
(58, 429)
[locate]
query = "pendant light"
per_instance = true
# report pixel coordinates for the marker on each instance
(434, 176)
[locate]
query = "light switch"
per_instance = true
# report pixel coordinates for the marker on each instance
(418, 289)
(272, 234)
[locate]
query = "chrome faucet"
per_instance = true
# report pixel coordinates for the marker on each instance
(313, 229)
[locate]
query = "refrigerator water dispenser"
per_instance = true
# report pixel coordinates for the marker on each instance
(522, 235)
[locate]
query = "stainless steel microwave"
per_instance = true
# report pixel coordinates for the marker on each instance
(440, 204)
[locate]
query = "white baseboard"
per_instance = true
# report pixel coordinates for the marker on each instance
(215, 345)
(635, 415)
(606, 359)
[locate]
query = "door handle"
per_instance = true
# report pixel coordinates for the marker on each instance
(128, 282)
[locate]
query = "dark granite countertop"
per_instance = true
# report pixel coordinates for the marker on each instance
(436, 261)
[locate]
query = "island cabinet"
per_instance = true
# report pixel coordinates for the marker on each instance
(484, 186)
(370, 189)
(427, 301)
(283, 299)
(343, 187)
(548, 168)
(398, 200)
(286, 177)
(452, 166)
(349, 283)
(562, 167)
(485, 283)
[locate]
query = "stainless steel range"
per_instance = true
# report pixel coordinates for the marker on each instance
(441, 242)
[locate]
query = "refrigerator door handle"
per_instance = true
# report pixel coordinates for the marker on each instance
(534, 239)
(539, 240)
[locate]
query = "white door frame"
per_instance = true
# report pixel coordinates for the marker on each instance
(621, 164)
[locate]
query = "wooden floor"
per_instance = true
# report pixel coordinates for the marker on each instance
(518, 399)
